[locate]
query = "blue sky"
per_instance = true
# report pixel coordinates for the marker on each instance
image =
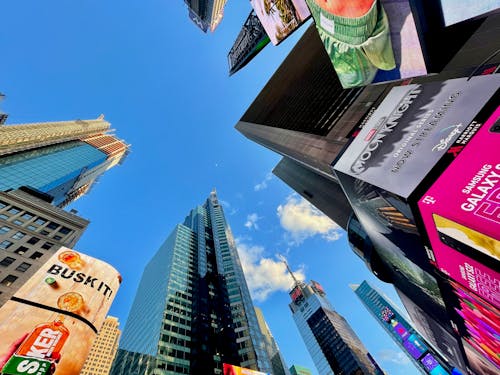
(164, 86)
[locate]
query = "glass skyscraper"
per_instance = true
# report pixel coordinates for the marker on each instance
(61, 159)
(423, 356)
(334, 346)
(193, 311)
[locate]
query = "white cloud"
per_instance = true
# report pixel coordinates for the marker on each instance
(251, 222)
(227, 207)
(264, 275)
(263, 184)
(302, 220)
(389, 355)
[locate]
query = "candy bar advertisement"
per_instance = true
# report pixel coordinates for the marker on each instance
(412, 129)
(49, 325)
(461, 214)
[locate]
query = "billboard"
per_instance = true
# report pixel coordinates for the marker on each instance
(49, 325)
(250, 41)
(235, 370)
(460, 10)
(461, 213)
(369, 41)
(280, 17)
(296, 293)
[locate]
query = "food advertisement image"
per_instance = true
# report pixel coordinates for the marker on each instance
(461, 214)
(369, 41)
(280, 17)
(49, 325)
(235, 370)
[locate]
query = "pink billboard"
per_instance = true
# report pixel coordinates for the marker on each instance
(461, 213)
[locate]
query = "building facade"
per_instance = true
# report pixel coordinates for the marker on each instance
(103, 349)
(333, 345)
(31, 230)
(278, 364)
(418, 350)
(61, 159)
(193, 310)
(299, 370)
(206, 14)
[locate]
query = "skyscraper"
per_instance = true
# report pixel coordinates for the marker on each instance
(206, 14)
(299, 370)
(277, 361)
(61, 159)
(330, 340)
(193, 311)
(31, 231)
(423, 356)
(103, 349)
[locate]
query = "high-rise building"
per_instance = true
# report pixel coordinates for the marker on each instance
(103, 349)
(193, 311)
(277, 361)
(299, 370)
(61, 159)
(423, 356)
(31, 231)
(333, 345)
(206, 14)
(3, 115)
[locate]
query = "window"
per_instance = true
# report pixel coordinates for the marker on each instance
(3, 217)
(27, 216)
(36, 255)
(52, 225)
(21, 250)
(9, 280)
(31, 227)
(57, 238)
(3, 204)
(47, 245)
(18, 222)
(64, 230)
(7, 261)
(33, 240)
(40, 221)
(14, 210)
(4, 229)
(18, 235)
(5, 244)
(23, 267)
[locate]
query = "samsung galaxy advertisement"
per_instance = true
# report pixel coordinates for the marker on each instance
(49, 325)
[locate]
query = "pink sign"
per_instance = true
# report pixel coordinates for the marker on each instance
(461, 213)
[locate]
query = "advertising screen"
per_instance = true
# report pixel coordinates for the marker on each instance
(369, 41)
(387, 314)
(415, 346)
(461, 213)
(399, 329)
(460, 10)
(280, 17)
(49, 325)
(250, 41)
(296, 293)
(317, 286)
(235, 370)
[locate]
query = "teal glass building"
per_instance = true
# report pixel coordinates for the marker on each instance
(193, 311)
(423, 356)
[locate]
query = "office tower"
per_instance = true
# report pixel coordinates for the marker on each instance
(299, 370)
(423, 356)
(330, 340)
(206, 14)
(277, 361)
(103, 349)
(31, 230)
(192, 311)
(3, 115)
(61, 159)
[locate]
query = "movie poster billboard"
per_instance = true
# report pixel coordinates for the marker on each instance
(280, 17)
(49, 325)
(250, 41)
(461, 212)
(235, 370)
(369, 41)
(455, 11)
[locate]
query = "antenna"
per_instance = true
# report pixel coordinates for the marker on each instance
(283, 259)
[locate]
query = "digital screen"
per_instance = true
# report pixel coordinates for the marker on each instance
(439, 370)
(387, 314)
(414, 346)
(429, 361)
(400, 329)
(296, 293)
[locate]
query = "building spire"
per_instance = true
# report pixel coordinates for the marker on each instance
(283, 259)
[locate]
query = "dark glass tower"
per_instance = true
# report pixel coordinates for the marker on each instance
(334, 346)
(192, 311)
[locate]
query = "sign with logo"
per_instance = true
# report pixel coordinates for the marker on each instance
(49, 325)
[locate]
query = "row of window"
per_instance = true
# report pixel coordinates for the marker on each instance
(7, 261)
(32, 241)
